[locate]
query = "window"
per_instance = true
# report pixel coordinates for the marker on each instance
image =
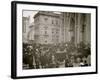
(52, 32)
(57, 37)
(45, 32)
(57, 31)
(52, 38)
(56, 22)
(52, 21)
(45, 19)
(46, 41)
(45, 27)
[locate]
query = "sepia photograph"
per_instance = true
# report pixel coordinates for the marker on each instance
(56, 39)
(53, 40)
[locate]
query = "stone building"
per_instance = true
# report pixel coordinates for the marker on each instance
(53, 28)
(47, 27)
(77, 27)
(25, 28)
(31, 33)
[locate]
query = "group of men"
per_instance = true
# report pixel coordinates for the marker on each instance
(41, 56)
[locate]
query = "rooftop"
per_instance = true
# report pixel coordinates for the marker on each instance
(48, 13)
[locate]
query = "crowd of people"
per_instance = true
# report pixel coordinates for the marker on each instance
(37, 56)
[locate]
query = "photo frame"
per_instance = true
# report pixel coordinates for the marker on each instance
(50, 39)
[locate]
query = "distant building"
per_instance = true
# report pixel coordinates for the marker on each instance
(77, 27)
(53, 28)
(47, 27)
(25, 28)
(31, 33)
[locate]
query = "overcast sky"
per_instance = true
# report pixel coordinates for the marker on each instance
(30, 13)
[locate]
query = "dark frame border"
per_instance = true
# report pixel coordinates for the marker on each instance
(14, 38)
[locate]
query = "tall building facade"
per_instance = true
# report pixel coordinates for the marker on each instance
(53, 28)
(77, 27)
(47, 27)
(25, 28)
(31, 33)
